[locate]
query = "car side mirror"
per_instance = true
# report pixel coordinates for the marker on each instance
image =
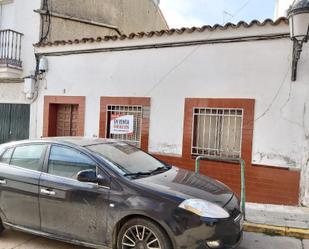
(90, 175)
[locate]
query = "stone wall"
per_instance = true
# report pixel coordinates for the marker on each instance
(118, 15)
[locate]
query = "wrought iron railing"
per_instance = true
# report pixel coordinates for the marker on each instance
(10, 48)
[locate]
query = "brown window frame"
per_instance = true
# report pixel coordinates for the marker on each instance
(247, 128)
(208, 137)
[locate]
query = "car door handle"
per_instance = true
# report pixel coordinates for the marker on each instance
(47, 192)
(2, 181)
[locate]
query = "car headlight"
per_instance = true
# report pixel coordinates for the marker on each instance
(204, 208)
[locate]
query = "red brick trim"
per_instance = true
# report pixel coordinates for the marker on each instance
(49, 115)
(145, 102)
(263, 185)
(246, 104)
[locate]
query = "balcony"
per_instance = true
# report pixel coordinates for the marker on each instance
(10, 54)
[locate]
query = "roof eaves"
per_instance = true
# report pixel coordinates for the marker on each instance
(168, 32)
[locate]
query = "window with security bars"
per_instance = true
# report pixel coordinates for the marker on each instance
(217, 132)
(136, 111)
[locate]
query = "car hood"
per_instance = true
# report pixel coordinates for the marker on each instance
(186, 184)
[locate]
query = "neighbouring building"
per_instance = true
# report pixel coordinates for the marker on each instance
(282, 7)
(71, 19)
(19, 30)
(222, 91)
(26, 22)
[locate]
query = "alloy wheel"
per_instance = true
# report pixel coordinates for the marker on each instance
(140, 237)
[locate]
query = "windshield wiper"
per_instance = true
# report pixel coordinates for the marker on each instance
(138, 174)
(149, 173)
(159, 170)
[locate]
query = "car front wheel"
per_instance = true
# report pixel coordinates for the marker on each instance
(142, 234)
(1, 227)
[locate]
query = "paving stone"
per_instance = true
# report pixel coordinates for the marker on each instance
(42, 243)
(261, 241)
(306, 244)
(11, 239)
(17, 240)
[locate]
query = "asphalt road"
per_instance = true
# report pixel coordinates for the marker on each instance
(16, 240)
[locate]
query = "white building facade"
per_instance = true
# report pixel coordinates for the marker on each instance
(19, 30)
(223, 91)
(281, 8)
(27, 22)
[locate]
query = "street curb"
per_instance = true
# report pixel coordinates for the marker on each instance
(276, 230)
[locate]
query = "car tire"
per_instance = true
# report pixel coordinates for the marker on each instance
(148, 233)
(1, 227)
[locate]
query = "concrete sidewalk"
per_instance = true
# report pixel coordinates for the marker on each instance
(17, 240)
(261, 241)
(276, 215)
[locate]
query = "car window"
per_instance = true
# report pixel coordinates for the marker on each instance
(6, 157)
(125, 158)
(67, 162)
(28, 156)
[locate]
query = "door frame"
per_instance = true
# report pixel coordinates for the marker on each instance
(49, 118)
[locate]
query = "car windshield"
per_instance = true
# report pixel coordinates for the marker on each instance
(129, 160)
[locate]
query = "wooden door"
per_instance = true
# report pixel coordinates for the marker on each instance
(67, 120)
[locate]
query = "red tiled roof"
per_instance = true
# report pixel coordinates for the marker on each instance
(166, 32)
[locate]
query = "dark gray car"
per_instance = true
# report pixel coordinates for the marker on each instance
(108, 194)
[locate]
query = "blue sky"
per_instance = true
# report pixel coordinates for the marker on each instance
(187, 13)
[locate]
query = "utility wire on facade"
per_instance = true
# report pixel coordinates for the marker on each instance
(47, 19)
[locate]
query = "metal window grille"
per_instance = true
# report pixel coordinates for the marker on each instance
(217, 132)
(10, 48)
(137, 112)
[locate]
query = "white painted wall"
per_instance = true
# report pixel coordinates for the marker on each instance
(7, 15)
(12, 93)
(282, 7)
(18, 15)
(260, 70)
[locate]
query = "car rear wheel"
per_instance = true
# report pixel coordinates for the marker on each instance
(1, 227)
(142, 234)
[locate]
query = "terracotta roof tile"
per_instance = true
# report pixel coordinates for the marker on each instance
(167, 32)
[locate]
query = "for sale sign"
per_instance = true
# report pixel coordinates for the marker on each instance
(121, 124)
